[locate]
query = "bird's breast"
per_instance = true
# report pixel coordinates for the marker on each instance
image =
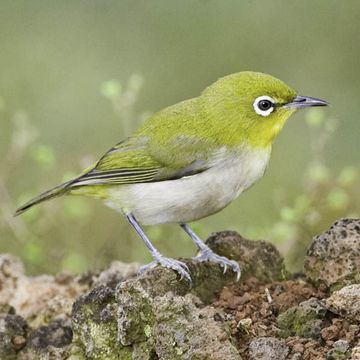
(193, 197)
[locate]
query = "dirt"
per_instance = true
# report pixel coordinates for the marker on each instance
(252, 310)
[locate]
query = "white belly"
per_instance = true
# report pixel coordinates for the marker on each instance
(194, 197)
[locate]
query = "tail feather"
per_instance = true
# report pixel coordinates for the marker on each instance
(54, 192)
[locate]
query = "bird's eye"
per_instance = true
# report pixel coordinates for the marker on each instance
(264, 105)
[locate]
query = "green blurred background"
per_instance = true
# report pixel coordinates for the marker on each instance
(77, 77)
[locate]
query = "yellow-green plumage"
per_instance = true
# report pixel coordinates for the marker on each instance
(182, 140)
(191, 159)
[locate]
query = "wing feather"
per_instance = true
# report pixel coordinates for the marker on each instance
(145, 157)
(121, 176)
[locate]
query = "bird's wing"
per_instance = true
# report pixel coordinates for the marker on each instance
(136, 160)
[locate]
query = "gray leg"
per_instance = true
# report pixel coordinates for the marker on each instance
(159, 259)
(206, 254)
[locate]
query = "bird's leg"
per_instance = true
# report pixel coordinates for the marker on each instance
(206, 254)
(159, 259)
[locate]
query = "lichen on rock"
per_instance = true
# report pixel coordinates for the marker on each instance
(304, 320)
(174, 326)
(154, 313)
(94, 319)
(116, 314)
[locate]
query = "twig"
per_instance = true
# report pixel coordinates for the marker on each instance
(268, 296)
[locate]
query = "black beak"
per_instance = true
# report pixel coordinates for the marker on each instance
(305, 101)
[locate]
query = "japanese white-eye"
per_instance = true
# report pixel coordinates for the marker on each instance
(192, 159)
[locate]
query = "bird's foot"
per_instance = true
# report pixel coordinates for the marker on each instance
(176, 265)
(207, 254)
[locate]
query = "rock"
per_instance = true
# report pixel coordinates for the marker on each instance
(42, 299)
(57, 334)
(259, 259)
(346, 302)
(181, 329)
(45, 302)
(268, 348)
(50, 342)
(39, 300)
(304, 320)
(19, 341)
(117, 314)
(94, 320)
(333, 257)
(341, 346)
(313, 307)
(154, 313)
(13, 331)
(339, 350)
(330, 333)
(11, 269)
(296, 356)
(355, 353)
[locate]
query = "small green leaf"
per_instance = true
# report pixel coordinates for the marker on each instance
(302, 204)
(282, 231)
(338, 199)
(288, 214)
(319, 173)
(44, 156)
(34, 253)
(111, 89)
(74, 262)
(347, 175)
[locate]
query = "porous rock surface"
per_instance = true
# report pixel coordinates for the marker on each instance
(346, 302)
(116, 314)
(333, 257)
(268, 348)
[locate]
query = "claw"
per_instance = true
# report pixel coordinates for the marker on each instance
(181, 268)
(183, 265)
(238, 274)
(209, 255)
(225, 267)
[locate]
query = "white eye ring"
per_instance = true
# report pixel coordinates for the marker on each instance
(263, 112)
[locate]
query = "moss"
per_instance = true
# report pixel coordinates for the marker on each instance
(95, 325)
(337, 355)
(299, 322)
(147, 330)
(100, 341)
(135, 316)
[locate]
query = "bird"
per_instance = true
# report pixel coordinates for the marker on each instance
(190, 160)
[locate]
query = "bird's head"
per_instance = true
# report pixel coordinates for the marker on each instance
(253, 107)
